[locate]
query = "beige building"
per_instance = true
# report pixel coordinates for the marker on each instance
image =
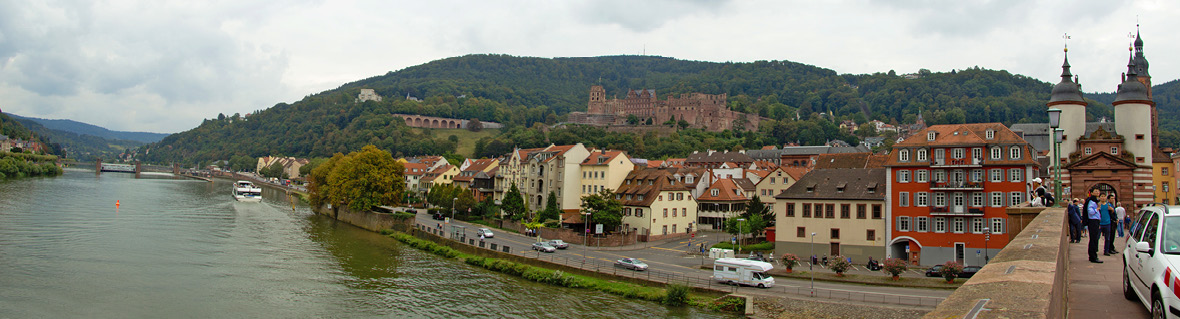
(777, 181)
(604, 170)
(413, 175)
(656, 205)
(441, 175)
(290, 165)
(844, 208)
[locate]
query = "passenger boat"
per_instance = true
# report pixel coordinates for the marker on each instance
(245, 191)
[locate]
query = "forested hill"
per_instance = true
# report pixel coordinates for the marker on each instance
(79, 147)
(13, 129)
(79, 128)
(521, 91)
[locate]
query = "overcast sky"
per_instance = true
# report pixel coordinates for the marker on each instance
(163, 66)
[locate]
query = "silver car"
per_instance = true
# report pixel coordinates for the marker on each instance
(631, 263)
(543, 247)
(559, 244)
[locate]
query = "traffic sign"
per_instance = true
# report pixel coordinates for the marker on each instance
(598, 229)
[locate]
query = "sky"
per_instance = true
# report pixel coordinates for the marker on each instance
(164, 66)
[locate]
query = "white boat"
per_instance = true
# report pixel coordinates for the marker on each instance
(245, 191)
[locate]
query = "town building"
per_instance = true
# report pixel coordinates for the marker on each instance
(704, 111)
(1116, 157)
(714, 159)
(656, 205)
(843, 207)
(441, 175)
(412, 173)
(722, 200)
(950, 182)
(368, 95)
(604, 170)
(290, 165)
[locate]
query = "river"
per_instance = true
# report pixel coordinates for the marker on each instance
(180, 248)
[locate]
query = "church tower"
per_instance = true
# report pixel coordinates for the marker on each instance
(1144, 77)
(1132, 109)
(597, 101)
(1067, 96)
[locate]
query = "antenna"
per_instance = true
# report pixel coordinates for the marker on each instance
(1065, 38)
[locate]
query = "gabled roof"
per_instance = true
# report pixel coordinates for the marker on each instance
(1158, 156)
(598, 157)
(432, 175)
(839, 183)
(850, 160)
(745, 183)
(796, 172)
(649, 183)
(727, 190)
(965, 135)
(1101, 160)
(415, 168)
(718, 157)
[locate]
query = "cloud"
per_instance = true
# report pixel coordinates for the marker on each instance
(642, 16)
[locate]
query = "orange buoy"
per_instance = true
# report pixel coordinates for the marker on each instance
(116, 203)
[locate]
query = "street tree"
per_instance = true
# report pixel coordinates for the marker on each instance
(551, 211)
(367, 178)
(604, 209)
(513, 203)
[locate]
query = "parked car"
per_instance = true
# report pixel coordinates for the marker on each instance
(487, 233)
(438, 216)
(631, 263)
(1151, 260)
(935, 271)
(559, 244)
(969, 271)
(543, 247)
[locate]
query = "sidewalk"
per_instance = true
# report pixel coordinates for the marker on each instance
(1096, 290)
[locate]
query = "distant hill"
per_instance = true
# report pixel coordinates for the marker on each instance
(520, 92)
(79, 147)
(80, 128)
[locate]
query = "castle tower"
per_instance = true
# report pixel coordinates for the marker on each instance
(1132, 108)
(1067, 96)
(597, 101)
(1144, 77)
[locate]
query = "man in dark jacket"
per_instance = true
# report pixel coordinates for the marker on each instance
(1075, 221)
(1093, 217)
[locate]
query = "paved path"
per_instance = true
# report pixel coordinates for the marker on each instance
(1096, 290)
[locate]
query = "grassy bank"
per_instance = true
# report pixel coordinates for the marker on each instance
(671, 295)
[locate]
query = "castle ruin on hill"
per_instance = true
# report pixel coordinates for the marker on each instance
(699, 110)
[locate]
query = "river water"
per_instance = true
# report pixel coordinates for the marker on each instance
(179, 248)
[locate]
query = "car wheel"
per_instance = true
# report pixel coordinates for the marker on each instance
(1157, 307)
(761, 286)
(731, 283)
(1127, 292)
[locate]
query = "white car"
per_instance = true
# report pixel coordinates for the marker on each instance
(1151, 261)
(487, 233)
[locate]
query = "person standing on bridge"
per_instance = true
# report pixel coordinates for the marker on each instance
(1093, 217)
(1075, 221)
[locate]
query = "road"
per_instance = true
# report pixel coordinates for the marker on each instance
(669, 262)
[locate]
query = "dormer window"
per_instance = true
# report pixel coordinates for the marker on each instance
(997, 153)
(903, 156)
(931, 135)
(1014, 152)
(810, 189)
(991, 134)
(922, 155)
(713, 192)
(1114, 150)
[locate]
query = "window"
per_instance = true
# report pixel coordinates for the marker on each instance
(922, 155)
(830, 212)
(790, 209)
(940, 224)
(903, 176)
(639, 212)
(1015, 175)
(997, 199)
(673, 228)
(772, 181)
(977, 225)
(871, 235)
(665, 229)
(1014, 152)
(1114, 150)
(977, 153)
(674, 215)
(996, 153)
(713, 192)
(845, 211)
(958, 200)
(1088, 151)
(997, 175)
(1139, 137)
(876, 211)
(940, 199)
(921, 223)
(835, 233)
(940, 155)
(661, 198)
(920, 176)
(991, 134)
(940, 176)
(1015, 198)
(997, 226)
(958, 153)
(860, 211)
(1164, 171)
(801, 232)
(903, 156)
(930, 136)
(806, 210)
(977, 175)
(665, 213)
(921, 199)
(903, 199)
(903, 223)
(959, 225)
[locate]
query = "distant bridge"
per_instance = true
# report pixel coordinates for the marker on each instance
(440, 122)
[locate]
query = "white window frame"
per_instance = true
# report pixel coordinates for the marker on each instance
(930, 136)
(977, 175)
(958, 199)
(940, 199)
(903, 176)
(977, 225)
(903, 199)
(922, 157)
(940, 224)
(921, 176)
(940, 176)
(903, 156)
(958, 153)
(977, 199)
(921, 224)
(1015, 175)
(997, 226)
(921, 199)
(903, 223)
(1015, 153)
(958, 225)
(1089, 151)
(1015, 198)
(991, 134)
(997, 153)
(997, 199)
(996, 175)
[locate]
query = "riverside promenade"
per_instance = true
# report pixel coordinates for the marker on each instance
(1096, 290)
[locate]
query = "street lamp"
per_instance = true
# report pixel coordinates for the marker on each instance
(586, 240)
(987, 235)
(739, 243)
(453, 207)
(1055, 124)
(810, 269)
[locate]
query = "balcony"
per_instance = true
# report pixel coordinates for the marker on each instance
(960, 162)
(957, 185)
(957, 212)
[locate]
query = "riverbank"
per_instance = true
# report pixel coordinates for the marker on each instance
(20, 165)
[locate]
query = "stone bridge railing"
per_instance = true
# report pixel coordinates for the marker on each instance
(1027, 279)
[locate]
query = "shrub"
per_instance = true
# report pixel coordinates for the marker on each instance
(729, 304)
(676, 295)
(895, 266)
(746, 247)
(790, 261)
(951, 269)
(839, 264)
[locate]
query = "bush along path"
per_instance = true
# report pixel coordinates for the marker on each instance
(671, 295)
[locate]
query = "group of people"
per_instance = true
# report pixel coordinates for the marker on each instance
(1101, 215)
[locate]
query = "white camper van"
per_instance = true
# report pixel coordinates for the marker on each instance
(743, 272)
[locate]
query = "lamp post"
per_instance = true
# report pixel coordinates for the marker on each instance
(987, 235)
(586, 241)
(739, 243)
(810, 269)
(1055, 124)
(453, 207)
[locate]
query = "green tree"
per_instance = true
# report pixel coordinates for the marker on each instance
(242, 163)
(513, 203)
(551, 211)
(684, 124)
(365, 179)
(603, 209)
(752, 225)
(632, 119)
(275, 171)
(318, 187)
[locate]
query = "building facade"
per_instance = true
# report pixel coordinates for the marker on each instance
(656, 205)
(844, 208)
(705, 111)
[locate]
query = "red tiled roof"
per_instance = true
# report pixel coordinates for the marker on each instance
(727, 190)
(964, 135)
(415, 168)
(599, 158)
(795, 172)
(649, 183)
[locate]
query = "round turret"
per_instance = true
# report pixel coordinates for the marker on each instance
(1066, 90)
(1131, 90)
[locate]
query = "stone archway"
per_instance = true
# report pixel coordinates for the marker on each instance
(1105, 188)
(417, 122)
(434, 124)
(906, 248)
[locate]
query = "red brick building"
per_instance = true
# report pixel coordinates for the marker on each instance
(948, 183)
